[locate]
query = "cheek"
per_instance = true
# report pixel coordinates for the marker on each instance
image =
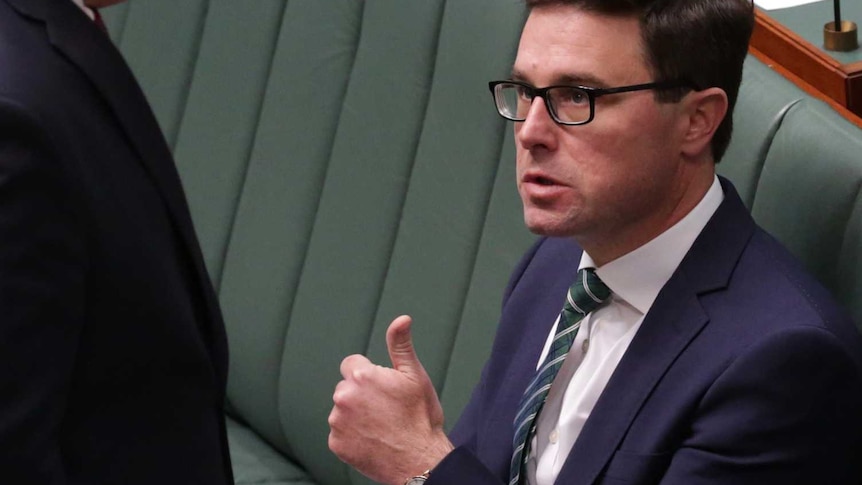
(634, 151)
(589, 161)
(523, 161)
(609, 171)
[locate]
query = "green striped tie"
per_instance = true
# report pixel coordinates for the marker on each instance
(585, 295)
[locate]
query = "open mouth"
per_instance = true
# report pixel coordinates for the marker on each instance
(539, 182)
(540, 179)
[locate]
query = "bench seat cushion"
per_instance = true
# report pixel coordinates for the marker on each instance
(255, 462)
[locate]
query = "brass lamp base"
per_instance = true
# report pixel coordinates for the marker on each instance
(843, 41)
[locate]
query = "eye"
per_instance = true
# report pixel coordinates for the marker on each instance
(571, 96)
(524, 92)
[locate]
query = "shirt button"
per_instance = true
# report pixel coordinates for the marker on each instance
(553, 437)
(586, 345)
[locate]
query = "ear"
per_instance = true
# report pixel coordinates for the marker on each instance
(705, 110)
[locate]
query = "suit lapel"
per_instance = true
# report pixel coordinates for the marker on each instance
(526, 320)
(666, 331)
(72, 34)
(674, 320)
(96, 56)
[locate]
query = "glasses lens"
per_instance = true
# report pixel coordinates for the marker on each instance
(513, 101)
(570, 104)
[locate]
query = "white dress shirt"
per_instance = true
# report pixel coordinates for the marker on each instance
(87, 10)
(635, 280)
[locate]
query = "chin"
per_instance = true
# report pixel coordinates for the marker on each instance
(550, 232)
(552, 220)
(549, 228)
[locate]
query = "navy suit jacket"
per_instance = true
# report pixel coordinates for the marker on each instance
(744, 371)
(113, 355)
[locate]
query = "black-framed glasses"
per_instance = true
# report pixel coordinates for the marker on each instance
(567, 104)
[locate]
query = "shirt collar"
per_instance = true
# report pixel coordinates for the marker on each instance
(87, 10)
(637, 277)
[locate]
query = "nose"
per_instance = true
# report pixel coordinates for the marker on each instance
(538, 130)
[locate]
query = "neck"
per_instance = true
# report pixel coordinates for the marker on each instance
(615, 243)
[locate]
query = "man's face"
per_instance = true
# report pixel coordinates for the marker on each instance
(615, 179)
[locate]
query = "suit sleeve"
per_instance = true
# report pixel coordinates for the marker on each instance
(789, 410)
(42, 268)
(462, 465)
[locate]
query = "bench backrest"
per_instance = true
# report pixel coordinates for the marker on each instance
(344, 165)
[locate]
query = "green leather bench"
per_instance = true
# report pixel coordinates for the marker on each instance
(344, 164)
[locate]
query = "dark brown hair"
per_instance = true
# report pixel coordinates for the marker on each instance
(702, 41)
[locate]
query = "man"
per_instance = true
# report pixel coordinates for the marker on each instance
(706, 356)
(112, 347)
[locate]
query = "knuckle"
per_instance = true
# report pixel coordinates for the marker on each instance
(343, 392)
(346, 364)
(334, 445)
(359, 375)
(339, 448)
(351, 363)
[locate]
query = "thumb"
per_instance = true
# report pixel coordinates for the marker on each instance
(400, 344)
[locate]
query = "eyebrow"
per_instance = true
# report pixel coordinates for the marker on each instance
(565, 79)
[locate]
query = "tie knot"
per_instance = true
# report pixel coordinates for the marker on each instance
(587, 293)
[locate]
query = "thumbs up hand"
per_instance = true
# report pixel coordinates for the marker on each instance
(387, 422)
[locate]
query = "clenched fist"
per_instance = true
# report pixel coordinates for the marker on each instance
(387, 422)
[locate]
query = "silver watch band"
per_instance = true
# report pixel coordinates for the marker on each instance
(418, 479)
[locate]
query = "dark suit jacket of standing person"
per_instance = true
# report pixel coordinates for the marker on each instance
(744, 371)
(113, 353)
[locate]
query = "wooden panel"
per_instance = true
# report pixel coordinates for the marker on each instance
(854, 90)
(841, 83)
(807, 87)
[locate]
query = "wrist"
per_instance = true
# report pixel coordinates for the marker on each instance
(436, 452)
(418, 479)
